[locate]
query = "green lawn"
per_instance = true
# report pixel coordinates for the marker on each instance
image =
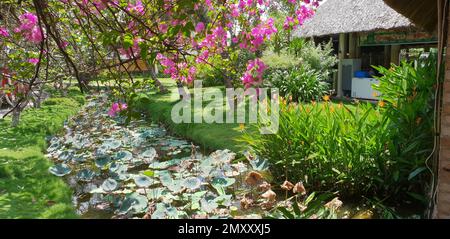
(27, 189)
(211, 136)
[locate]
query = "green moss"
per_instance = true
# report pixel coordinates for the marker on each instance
(27, 190)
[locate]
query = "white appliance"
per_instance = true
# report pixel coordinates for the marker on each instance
(362, 88)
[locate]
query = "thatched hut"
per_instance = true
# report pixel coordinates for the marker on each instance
(366, 33)
(433, 15)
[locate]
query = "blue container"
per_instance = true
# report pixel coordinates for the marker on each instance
(362, 74)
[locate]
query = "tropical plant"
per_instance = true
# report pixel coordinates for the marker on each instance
(319, 57)
(408, 96)
(300, 83)
(328, 146)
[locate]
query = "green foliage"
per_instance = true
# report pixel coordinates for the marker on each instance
(366, 151)
(409, 95)
(313, 207)
(300, 83)
(27, 189)
(329, 147)
(319, 57)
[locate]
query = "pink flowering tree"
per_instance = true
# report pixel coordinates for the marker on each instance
(179, 35)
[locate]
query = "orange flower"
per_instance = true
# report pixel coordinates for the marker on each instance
(313, 102)
(381, 104)
(242, 127)
(331, 109)
(326, 98)
(340, 105)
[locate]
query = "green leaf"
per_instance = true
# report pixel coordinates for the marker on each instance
(109, 185)
(60, 170)
(416, 172)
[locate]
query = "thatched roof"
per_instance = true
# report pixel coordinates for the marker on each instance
(422, 12)
(345, 16)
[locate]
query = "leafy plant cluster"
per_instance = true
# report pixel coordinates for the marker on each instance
(308, 79)
(363, 151)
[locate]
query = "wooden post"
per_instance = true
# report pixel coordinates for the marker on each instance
(342, 52)
(395, 54)
(442, 210)
(352, 45)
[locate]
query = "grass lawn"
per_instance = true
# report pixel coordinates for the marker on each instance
(27, 189)
(211, 136)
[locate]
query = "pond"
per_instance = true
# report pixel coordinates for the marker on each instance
(138, 170)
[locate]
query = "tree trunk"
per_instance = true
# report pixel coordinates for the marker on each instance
(16, 116)
(158, 83)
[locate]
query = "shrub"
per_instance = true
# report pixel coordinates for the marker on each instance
(318, 57)
(299, 83)
(408, 94)
(365, 151)
(330, 147)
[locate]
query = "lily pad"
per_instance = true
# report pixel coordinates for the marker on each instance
(123, 155)
(85, 175)
(112, 143)
(149, 153)
(60, 170)
(110, 185)
(208, 203)
(221, 183)
(143, 181)
(192, 183)
(133, 203)
(101, 162)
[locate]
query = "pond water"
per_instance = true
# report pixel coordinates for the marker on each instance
(138, 170)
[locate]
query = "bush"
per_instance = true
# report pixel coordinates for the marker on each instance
(367, 151)
(299, 83)
(408, 94)
(318, 57)
(330, 147)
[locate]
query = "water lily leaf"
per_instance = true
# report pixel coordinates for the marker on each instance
(165, 164)
(259, 164)
(60, 170)
(221, 183)
(156, 193)
(78, 159)
(112, 144)
(54, 146)
(149, 154)
(102, 161)
(208, 204)
(85, 175)
(109, 185)
(195, 199)
(224, 200)
(143, 181)
(164, 211)
(133, 203)
(176, 186)
(65, 156)
(124, 155)
(192, 183)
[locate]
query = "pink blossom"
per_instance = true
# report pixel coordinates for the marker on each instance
(117, 108)
(33, 61)
(200, 27)
(4, 32)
